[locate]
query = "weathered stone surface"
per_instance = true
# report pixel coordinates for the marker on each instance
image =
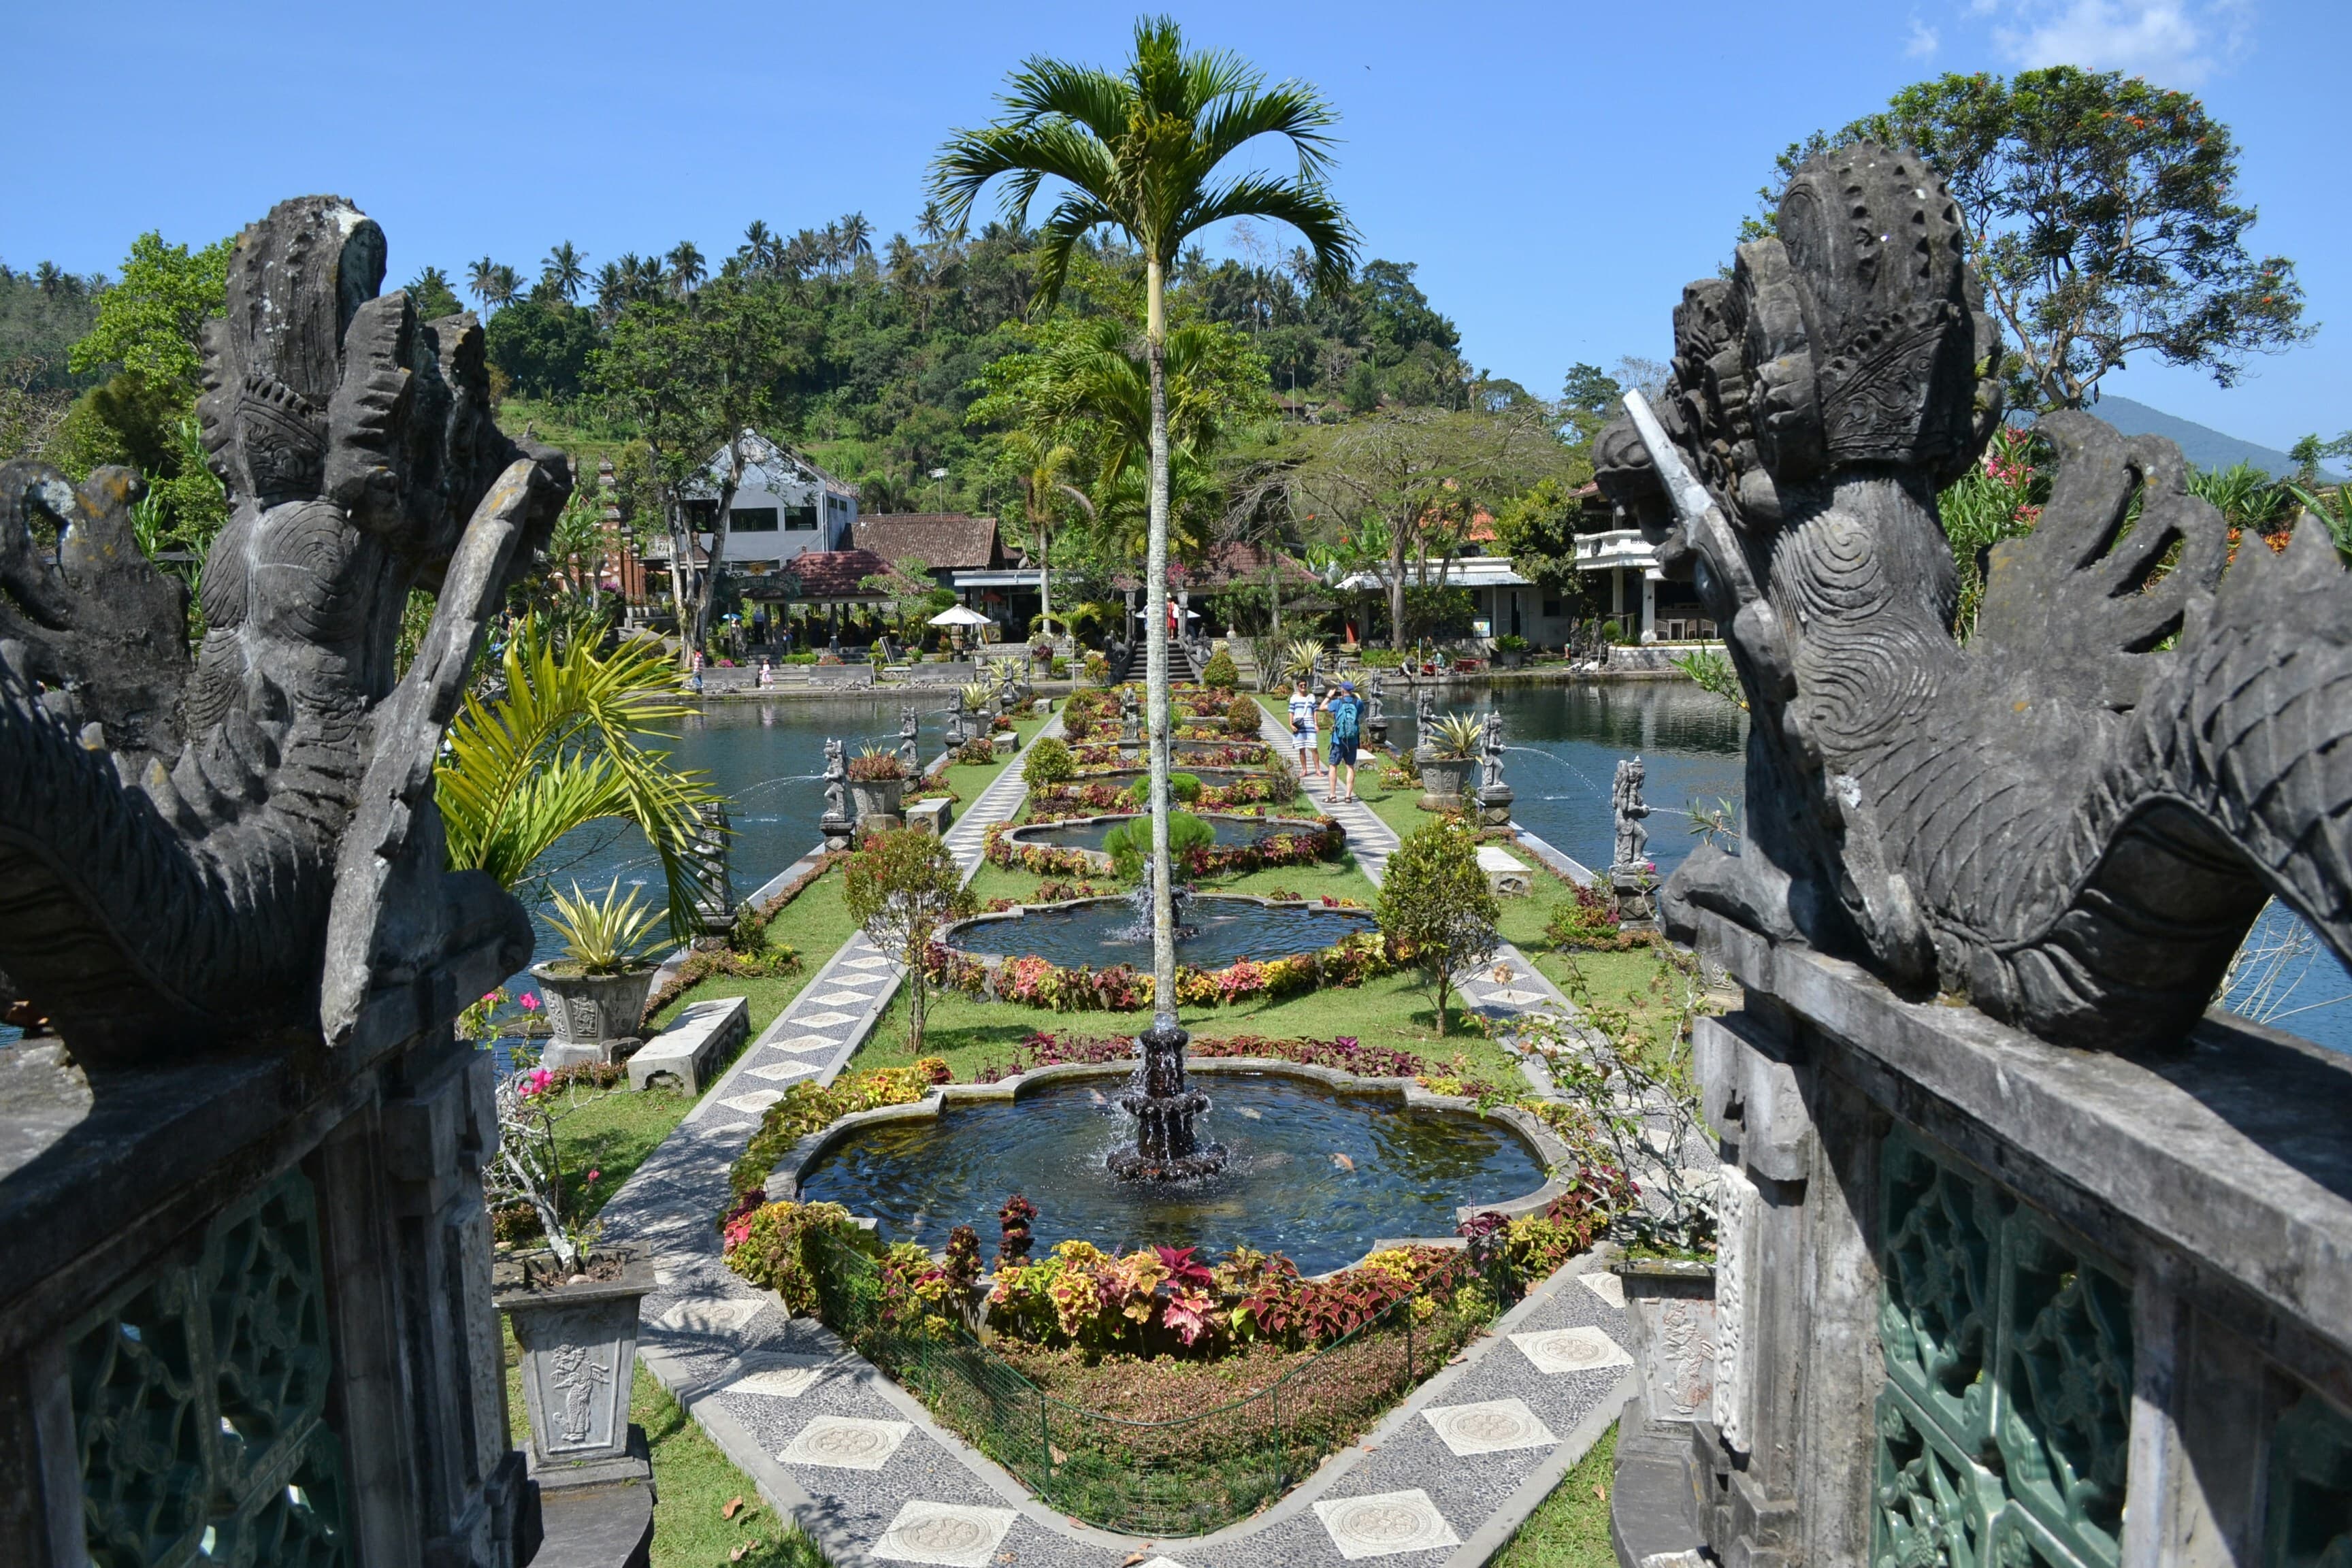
(1506, 875)
(933, 816)
(2074, 820)
(180, 849)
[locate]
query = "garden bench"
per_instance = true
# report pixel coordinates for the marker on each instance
(686, 1052)
(933, 816)
(1507, 874)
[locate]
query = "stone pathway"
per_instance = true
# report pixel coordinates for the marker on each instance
(857, 1462)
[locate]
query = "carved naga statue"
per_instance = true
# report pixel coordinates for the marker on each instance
(245, 846)
(2073, 820)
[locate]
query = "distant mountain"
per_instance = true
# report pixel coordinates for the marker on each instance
(2201, 444)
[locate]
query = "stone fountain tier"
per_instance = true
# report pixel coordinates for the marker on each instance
(1167, 1146)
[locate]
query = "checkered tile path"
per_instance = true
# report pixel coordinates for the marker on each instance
(856, 1461)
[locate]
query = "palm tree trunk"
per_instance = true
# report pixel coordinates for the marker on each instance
(1396, 590)
(1155, 644)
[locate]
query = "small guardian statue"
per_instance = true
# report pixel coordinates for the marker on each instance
(909, 752)
(836, 824)
(1425, 717)
(1632, 878)
(1376, 718)
(1494, 797)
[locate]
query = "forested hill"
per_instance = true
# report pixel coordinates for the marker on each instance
(888, 343)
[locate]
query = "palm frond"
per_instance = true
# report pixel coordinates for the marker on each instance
(1307, 207)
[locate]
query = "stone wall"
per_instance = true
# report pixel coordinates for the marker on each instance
(244, 1314)
(1987, 1299)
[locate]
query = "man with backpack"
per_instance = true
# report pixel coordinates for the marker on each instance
(1347, 710)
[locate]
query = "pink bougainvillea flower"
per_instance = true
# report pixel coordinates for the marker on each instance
(593, 1175)
(531, 1000)
(536, 1082)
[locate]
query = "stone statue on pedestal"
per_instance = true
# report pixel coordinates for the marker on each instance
(1632, 878)
(1376, 719)
(1494, 797)
(909, 751)
(836, 824)
(1425, 717)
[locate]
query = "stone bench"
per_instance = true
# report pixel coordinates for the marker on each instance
(686, 1052)
(1507, 874)
(933, 816)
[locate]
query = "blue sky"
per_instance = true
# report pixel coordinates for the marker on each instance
(1557, 169)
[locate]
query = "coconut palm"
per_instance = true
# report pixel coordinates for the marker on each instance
(481, 278)
(686, 266)
(1139, 152)
(565, 270)
(562, 747)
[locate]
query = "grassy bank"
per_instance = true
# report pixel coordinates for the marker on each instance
(1570, 1529)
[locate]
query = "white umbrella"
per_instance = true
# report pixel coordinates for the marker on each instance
(958, 615)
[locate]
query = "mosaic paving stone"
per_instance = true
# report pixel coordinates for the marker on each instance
(1385, 1523)
(1489, 1427)
(843, 999)
(777, 1072)
(866, 963)
(753, 1102)
(820, 1020)
(1571, 1350)
(1605, 1285)
(956, 1535)
(711, 1314)
(1515, 998)
(777, 1382)
(807, 1042)
(846, 1442)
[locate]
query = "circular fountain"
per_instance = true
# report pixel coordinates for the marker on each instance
(1165, 1107)
(1215, 930)
(1088, 833)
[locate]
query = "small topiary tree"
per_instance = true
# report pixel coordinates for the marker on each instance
(903, 888)
(1241, 718)
(1435, 908)
(1221, 674)
(1130, 841)
(1049, 762)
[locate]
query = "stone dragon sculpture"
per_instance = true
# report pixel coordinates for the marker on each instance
(243, 847)
(2070, 821)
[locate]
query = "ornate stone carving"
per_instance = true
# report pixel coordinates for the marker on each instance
(910, 755)
(1632, 840)
(246, 845)
(836, 823)
(2073, 820)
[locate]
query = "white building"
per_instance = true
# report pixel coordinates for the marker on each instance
(1512, 605)
(786, 506)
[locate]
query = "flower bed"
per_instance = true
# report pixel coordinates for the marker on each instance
(809, 1108)
(1051, 893)
(1203, 861)
(1044, 1048)
(1035, 983)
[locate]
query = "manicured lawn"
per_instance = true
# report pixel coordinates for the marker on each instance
(1570, 1529)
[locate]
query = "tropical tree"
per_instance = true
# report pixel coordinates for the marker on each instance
(1435, 906)
(430, 293)
(1139, 152)
(903, 887)
(481, 278)
(148, 322)
(2101, 219)
(562, 747)
(565, 270)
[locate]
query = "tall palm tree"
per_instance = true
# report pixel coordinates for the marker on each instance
(857, 236)
(686, 266)
(480, 278)
(504, 284)
(565, 270)
(1137, 153)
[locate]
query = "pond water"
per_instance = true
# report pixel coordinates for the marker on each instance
(1097, 933)
(1090, 835)
(1282, 1190)
(1692, 746)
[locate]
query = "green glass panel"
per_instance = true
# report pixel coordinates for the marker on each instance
(2310, 1521)
(2065, 1373)
(1931, 1505)
(1938, 1307)
(199, 1398)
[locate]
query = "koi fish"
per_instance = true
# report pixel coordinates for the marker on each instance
(1250, 1111)
(1343, 1161)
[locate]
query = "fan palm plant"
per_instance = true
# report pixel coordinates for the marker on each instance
(1457, 737)
(564, 747)
(1139, 152)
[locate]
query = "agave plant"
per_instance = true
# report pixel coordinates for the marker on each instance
(977, 695)
(1456, 737)
(606, 937)
(1299, 658)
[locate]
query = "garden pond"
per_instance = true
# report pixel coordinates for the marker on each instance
(1313, 1173)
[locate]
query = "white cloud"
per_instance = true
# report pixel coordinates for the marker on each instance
(2172, 43)
(1922, 41)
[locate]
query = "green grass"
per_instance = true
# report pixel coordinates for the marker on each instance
(693, 1483)
(610, 1131)
(815, 924)
(1570, 1529)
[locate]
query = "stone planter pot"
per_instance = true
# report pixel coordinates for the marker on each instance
(1670, 1308)
(579, 1342)
(593, 1013)
(1443, 780)
(878, 798)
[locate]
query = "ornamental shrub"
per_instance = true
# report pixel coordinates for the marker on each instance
(808, 1108)
(769, 1246)
(1435, 908)
(903, 887)
(1222, 673)
(1588, 919)
(1049, 762)
(1128, 843)
(1242, 717)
